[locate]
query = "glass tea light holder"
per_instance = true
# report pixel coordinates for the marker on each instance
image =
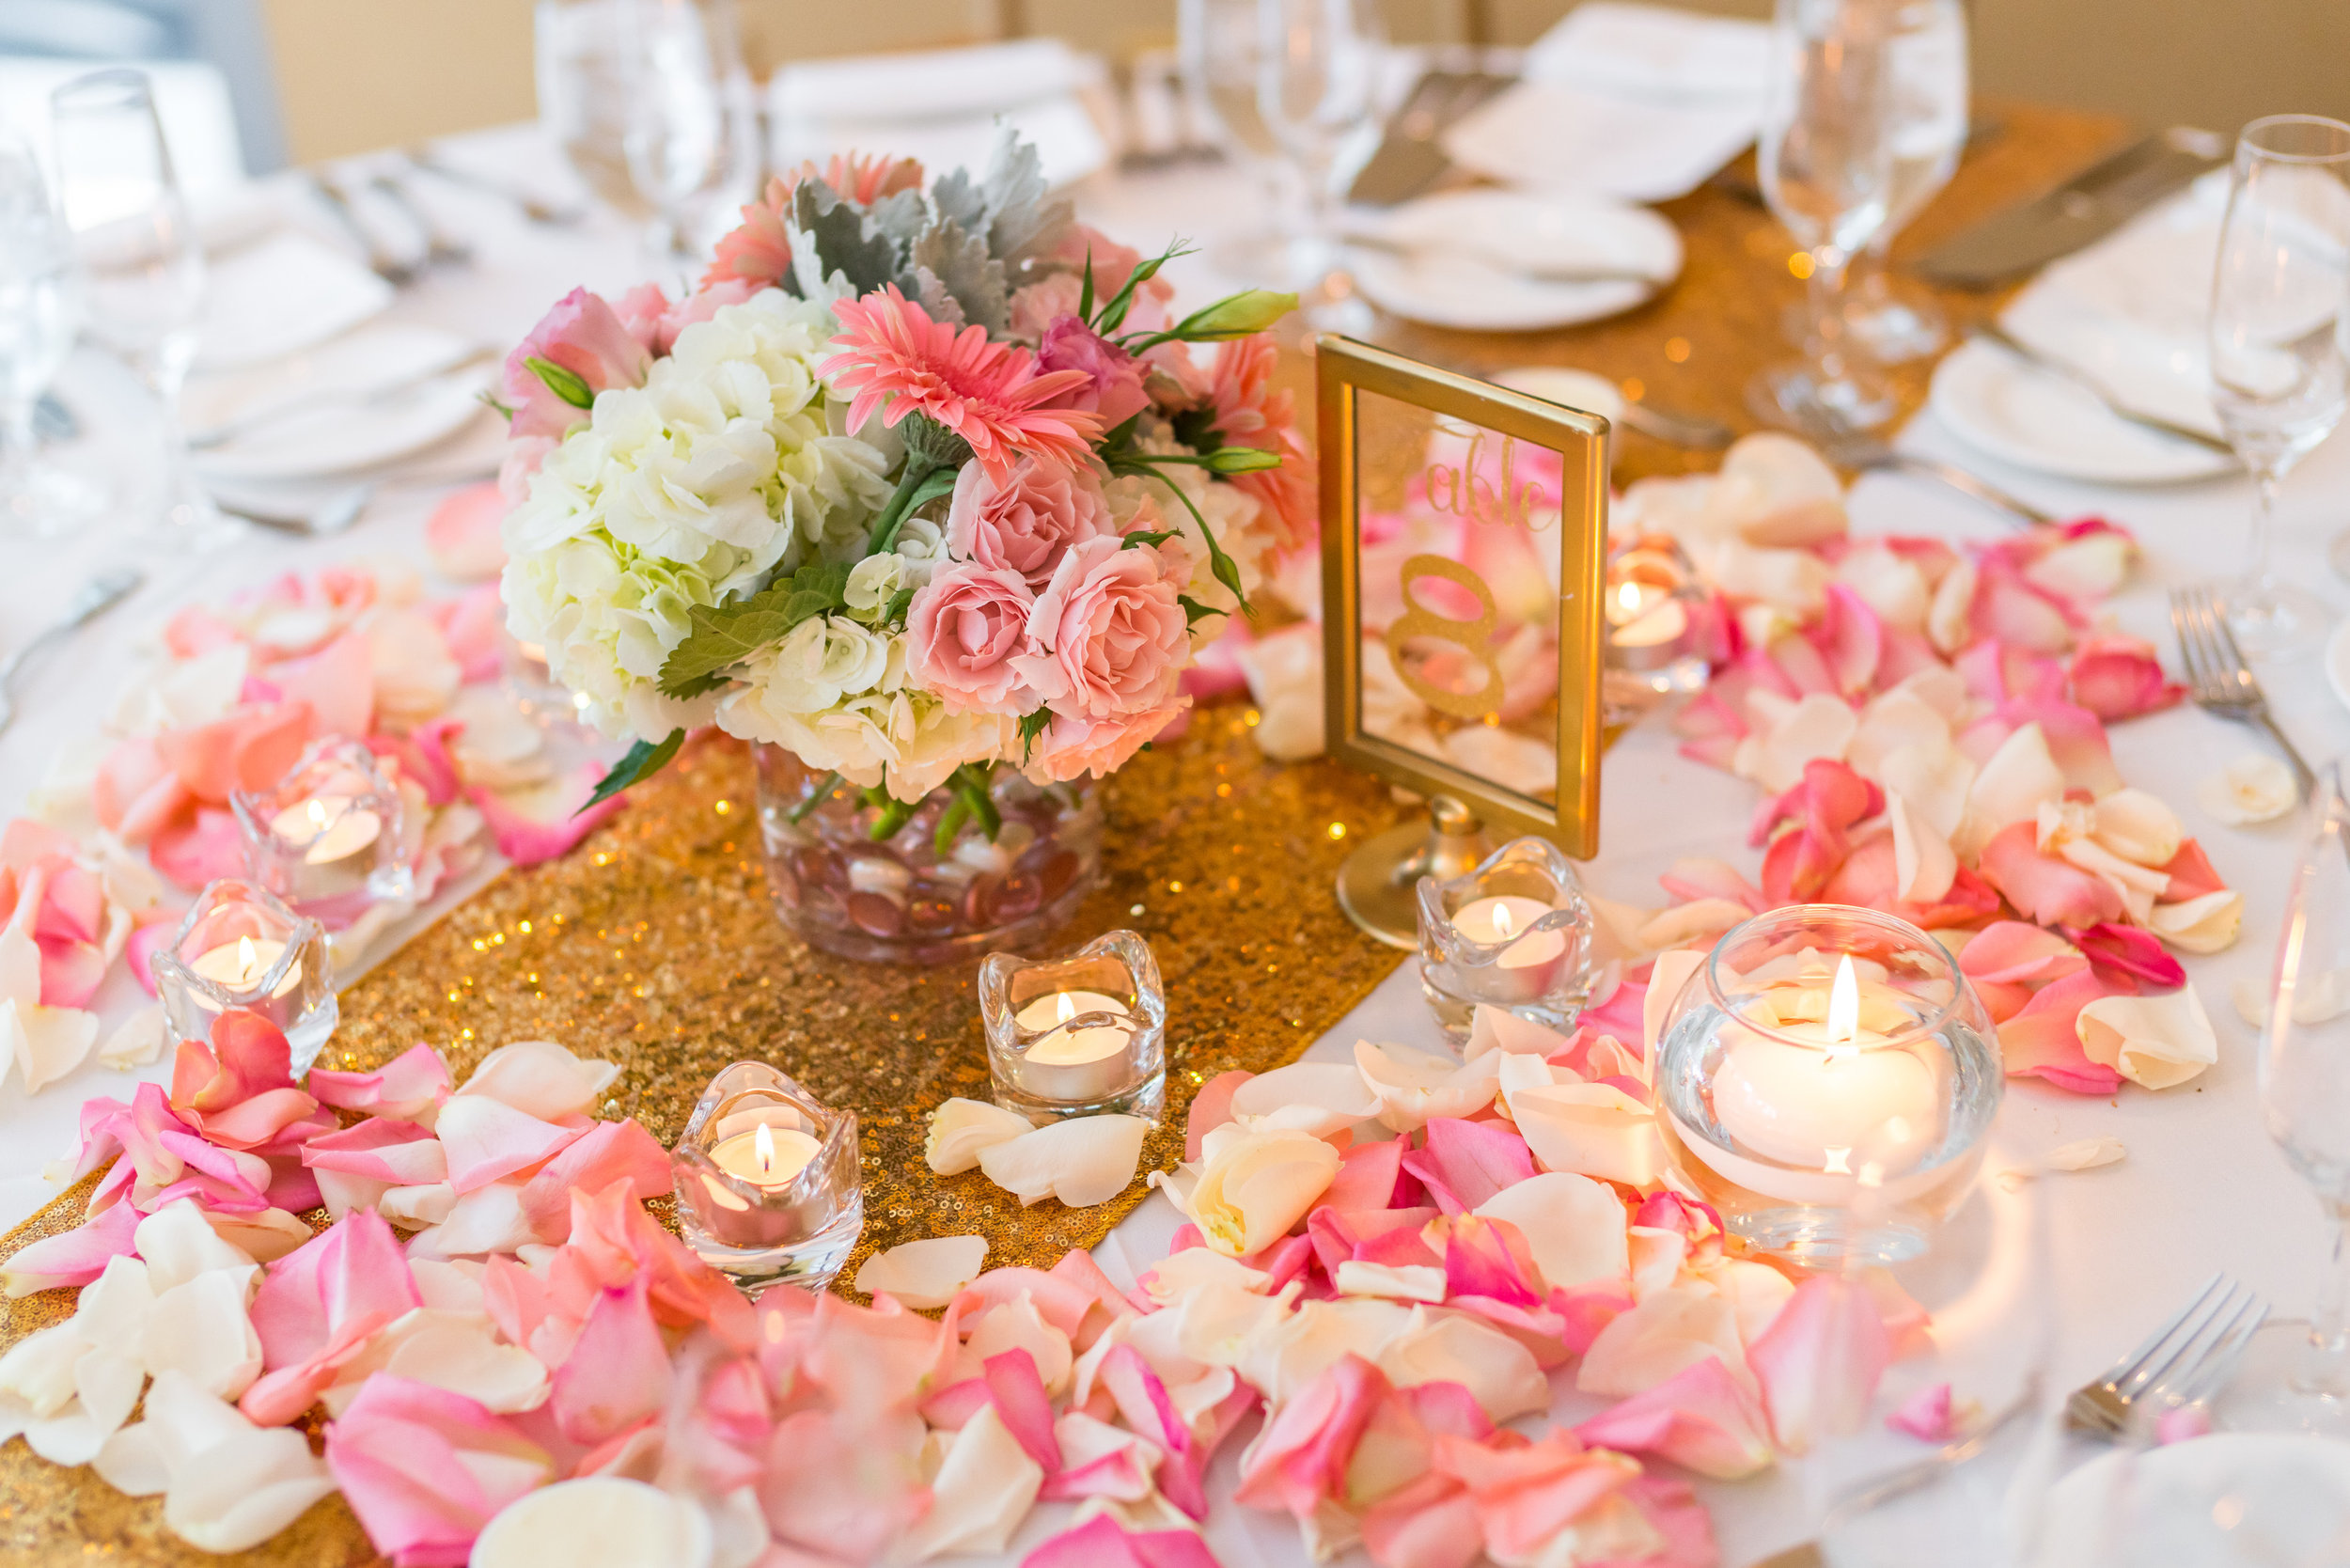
(1657, 614)
(328, 838)
(768, 1187)
(1826, 1079)
(242, 948)
(1077, 1036)
(1514, 932)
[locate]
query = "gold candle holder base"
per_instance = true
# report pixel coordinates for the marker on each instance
(1377, 883)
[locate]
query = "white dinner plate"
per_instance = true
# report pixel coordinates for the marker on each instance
(1463, 245)
(2011, 411)
(432, 395)
(2230, 1501)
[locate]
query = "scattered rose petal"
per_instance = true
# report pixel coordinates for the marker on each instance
(606, 1520)
(2255, 788)
(925, 1272)
(1253, 1186)
(960, 1130)
(2156, 1041)
(1082, 1161)
(1925, 1415)
(2087, 1155)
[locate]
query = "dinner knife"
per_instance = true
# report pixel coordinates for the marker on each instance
(1992, 332)
(2087, 207)
(1408, 159)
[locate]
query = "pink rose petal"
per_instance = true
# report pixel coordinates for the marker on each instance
(1925, 1415)
(1701, 1418)
(1464, 1163)
(1820, 1360)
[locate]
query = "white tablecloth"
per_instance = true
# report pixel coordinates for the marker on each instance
(2200, 1189)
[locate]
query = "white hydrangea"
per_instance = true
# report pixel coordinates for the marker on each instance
(730, 464)
(797, 695)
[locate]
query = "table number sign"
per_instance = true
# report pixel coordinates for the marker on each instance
(1463, 533)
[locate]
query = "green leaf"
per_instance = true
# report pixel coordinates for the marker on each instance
(1114, 311)
(641, 762)
(1193, 611)
(922, 482)
(1144, 537)
(724, 636)
(1218, 562)
(490, 400)
(1031, 726)
(894, 612)
(1085, 292)
(1195, 428)
(565, 385)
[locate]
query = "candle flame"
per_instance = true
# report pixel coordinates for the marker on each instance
(1628, 595)
(244, 957)
(763, 1144)
(1067, 1009)
(318, 815)
(1504, 925)
(1844, 1006)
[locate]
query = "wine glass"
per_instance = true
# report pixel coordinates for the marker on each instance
(643, 99)
(2278, 372)
(1930, 113)
(1217, 42)
(1826, 163)
(39, 307)
(2296, 1376)
(142, 270)
(1316, 67)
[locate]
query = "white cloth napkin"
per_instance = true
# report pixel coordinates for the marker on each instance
(284, 293)
(1636, 102)
(943, 106)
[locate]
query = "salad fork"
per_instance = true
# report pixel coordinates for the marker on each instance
(2218, 676)
(97, 596)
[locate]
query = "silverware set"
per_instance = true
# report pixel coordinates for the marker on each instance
(95, 598)
(2218, 677)
(427, 243)
(1848, 448)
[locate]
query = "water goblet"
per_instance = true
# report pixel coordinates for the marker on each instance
(39, 309)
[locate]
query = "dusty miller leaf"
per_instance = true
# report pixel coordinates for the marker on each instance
(830, 235)
(902, 216)
(1022, 221)
(922, 285)
(959, 262)
(956, 199)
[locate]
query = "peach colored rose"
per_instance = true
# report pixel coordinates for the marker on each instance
(1107, 632)
(1070, 747)
(1024, 523)
(962, 629)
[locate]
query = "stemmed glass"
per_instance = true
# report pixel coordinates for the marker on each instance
(2278, 372)
(142, 270)
(1930, 115)
(1217, 42)
(39, 306)
(1316, 67)
(1826, 163)
(642, 98)
(2296, 1376)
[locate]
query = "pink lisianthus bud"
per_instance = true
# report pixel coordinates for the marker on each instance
(584, 336)
(1113, 389)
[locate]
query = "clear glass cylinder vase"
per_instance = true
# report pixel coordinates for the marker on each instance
(855, 875)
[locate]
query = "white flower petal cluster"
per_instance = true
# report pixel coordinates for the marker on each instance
(834, 694)
(728, 465)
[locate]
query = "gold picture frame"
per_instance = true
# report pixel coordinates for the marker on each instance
(1345, 371)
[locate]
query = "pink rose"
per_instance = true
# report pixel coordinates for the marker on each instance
(1114, 390)
(652, 320)
(1040, 304)
(1108, 634)
(1026, 522)
(584, 336)
(963, 631)
(1070, 746)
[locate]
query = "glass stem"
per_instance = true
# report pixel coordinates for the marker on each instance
(2326, 1367)
(2264, 507)
(19, 441)
(1829, 268)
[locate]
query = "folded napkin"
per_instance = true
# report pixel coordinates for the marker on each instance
(284, 293)
(944, 106)
(1637, 101)
(2133, 309)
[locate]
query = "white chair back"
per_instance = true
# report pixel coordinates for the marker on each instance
(191, 97)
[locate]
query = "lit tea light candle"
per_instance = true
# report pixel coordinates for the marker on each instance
(1491, 921)
(1644, 615)
(241, 965)
(327, 828)
(1068, 1047)
(766, 1156)
(1822, 1089)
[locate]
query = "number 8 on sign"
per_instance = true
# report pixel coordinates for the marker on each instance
(1473, 638)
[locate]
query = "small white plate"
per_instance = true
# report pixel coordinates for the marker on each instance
(2018, 413)
(1458, 273)
(2230, 1501)
(2338, 662)
(334, 435)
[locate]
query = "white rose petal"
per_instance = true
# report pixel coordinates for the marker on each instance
(2255, 788)
(1414, 1086)
(1082, 1161)
(1390, 1281)
(1574, 1226)
(606, 1520)
(980, 1496)
(200, 1329)
(2205, 924)
(135, 1041)
(2156, 1041)
(1587, 1129)
(1453, 1347)
(1316, 1098)
(1016, 1325)
(925, 1273)
(1494, 1029)
(962, 1129)
(2087, 1155)
(540, 1079)
(1252, 1187)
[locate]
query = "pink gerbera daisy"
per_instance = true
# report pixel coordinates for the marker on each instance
(1251, 412)
(892, 355)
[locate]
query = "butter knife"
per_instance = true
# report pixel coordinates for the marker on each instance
(1992, 332)
(2087, 207)
(1409, 158)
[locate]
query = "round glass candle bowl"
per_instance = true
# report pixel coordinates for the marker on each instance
(768, 1187)
(867, 879)
(241, 947)
(328, 838)
(1825, 1079)
(1658, 617)
(1077, 1036)
(1513, 932)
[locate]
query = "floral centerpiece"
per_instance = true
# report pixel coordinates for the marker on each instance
(924, 487)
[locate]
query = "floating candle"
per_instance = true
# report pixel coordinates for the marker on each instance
(1644, 615)
(767, 1156)
(242, 965)
(333, 827)
(1068, 1047)
(1825, 1089)
(1491, 921)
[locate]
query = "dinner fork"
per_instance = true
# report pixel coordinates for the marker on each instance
(383, 264)
(1848, 448)
(99, 594)
(2182, 1363)
(2218, 676)
(441, 247)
